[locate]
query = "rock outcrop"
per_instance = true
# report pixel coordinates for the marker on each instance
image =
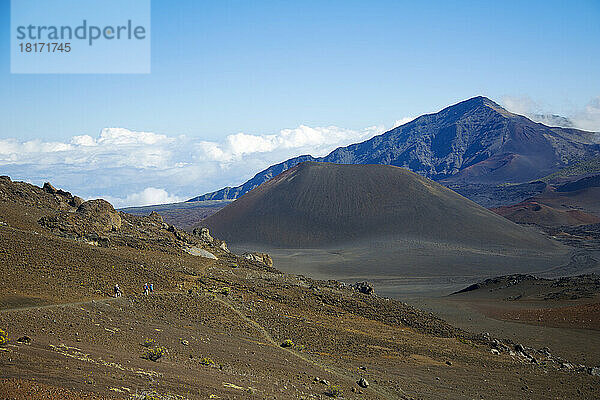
(262, 258)
(364, 287)
(101, 214)
(154, 216)
(97, 223)
(204, 234)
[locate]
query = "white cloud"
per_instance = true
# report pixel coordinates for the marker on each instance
(131, 168)
(83, 140)
(403, 121)
(316, 141)
(523, 105)
(147, 197)
(587, 119)
(12, 146)
(122, 136)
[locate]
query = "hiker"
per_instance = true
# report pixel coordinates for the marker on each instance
(146, 289)
(151, 288)
(118, 292)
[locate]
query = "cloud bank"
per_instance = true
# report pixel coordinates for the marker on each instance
(132, 168)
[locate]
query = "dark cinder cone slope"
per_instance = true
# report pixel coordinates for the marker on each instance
(318, 204)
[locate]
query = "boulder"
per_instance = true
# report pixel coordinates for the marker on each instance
(363, 383)
(204, 234)
(364, 287)
(101, 214)
(519, 347)
(24, 339)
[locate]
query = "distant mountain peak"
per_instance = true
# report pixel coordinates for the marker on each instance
(476, 102)
(473, 141)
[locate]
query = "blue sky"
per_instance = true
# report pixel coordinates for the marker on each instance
(224, 67)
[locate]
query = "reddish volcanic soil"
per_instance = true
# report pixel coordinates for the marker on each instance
(533, 212)
(584, 316)
(22, 389)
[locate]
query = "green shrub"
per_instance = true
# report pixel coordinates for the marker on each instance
(334, 391)
(207, 361)
(225, 291)
(3, 338)
(465, 341)
(152, 395)
(287, 343)
(148, 343)
(155, 354)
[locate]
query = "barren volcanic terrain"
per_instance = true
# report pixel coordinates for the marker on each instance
(568, 201)
(381, 223)
(559, 313)
(220, 325)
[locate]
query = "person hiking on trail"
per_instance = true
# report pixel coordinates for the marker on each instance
(151, 288)
(118, 292)
(146, 289)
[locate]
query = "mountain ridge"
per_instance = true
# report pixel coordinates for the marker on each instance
(473, 141)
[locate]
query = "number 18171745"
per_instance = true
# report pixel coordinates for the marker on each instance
(41, 47)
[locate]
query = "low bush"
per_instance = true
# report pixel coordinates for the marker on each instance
(155, 354)
(152, 395)
(3, 338)
(148, 343)
(287, 343)
(334, 391)
(207, 361)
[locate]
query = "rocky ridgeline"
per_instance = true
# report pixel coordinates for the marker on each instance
(499, 282)
(31, 195)
(97, 223)
(535, 288)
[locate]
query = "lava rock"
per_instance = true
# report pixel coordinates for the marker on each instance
(364, 287)
(204, 234)
(101, 213)
(262, 258)
(49, 188)
(24, 339)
